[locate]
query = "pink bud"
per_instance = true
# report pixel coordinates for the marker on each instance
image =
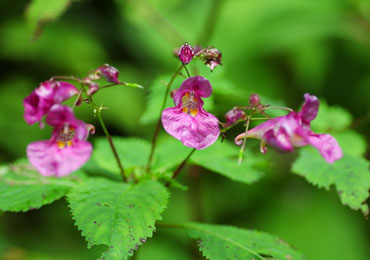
(254, 100)
(185, 53)
(109, 73)
(233, 116)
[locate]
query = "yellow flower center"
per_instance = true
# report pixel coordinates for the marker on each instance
(65, 137)
(190, 104)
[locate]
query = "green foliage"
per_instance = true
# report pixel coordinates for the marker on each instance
(330, 119)
(40, 12)
(125, 147)
(227, 242)
(350, 175)
(118, 215)
(222, 159)
(22, 188)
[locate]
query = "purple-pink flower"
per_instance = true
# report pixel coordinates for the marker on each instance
(293, 130)
(67, 150)
(50, 92)
(188, 121)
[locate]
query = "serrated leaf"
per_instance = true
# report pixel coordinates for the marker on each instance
(222, 158)
(22, 188)
(350, 175)
(40, 12)
(331, 119)
(118, 215)
(226, 242)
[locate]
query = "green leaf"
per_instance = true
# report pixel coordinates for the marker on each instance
(118, 215)
(22, 188)
(351, 142)
(40, 12)
(227, 242)
(222, 158)
(331, 119)
(133, 152)
(350, 175)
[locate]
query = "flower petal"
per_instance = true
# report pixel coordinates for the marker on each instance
(278, 139)
(310, 108)
(59, 115)
(50, 160)
(64, 91)
(32, 113)
(200, 85)
(198, 131)
(327, 145)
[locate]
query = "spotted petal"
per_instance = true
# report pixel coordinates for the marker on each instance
(50, 160)
(199, 131)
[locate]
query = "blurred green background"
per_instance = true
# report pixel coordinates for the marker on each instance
(280, 49)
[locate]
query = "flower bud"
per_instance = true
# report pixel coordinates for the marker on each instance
(185, 53)
(254, 100)
(211, 57)
(109, 73)
(233, 116)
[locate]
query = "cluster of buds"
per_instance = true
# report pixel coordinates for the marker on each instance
(209, 55)
(67, 149)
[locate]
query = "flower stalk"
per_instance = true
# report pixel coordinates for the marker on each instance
(242, 149)
(97, 111)
(182, 164)
(158, 126)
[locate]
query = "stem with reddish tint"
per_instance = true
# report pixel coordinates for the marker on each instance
(182, 164)
(158, 126)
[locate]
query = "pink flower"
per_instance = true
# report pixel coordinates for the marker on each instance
(110, 73)
(38, 103)
(67, 150)
(188, 121)
(293, 130)
(185, 53)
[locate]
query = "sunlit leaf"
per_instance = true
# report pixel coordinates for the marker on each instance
(350, 175)
(120, 216)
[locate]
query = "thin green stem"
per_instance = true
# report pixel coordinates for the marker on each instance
(259, 118)
(158, 126)
(187, 71)
(182, 164)
(98, 110)
(278, 107)
(242, 149)
(66, 78)
(112, 85)
(101, 121)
